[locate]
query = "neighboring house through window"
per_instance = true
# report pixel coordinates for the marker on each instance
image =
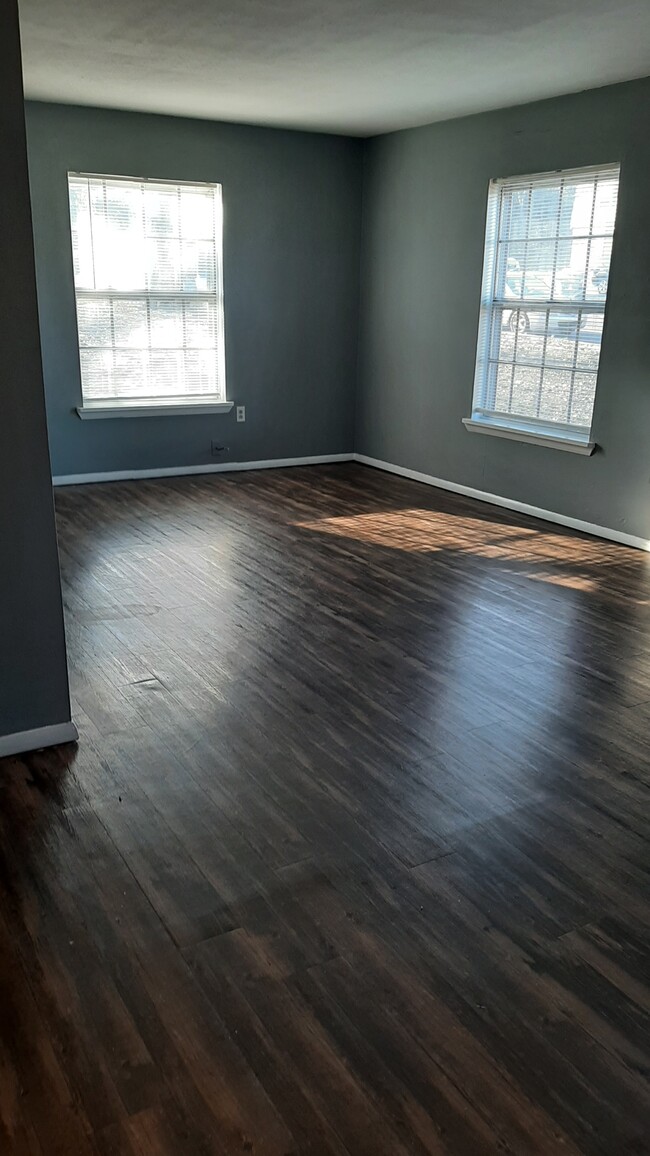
(148, 282)
(547, 252)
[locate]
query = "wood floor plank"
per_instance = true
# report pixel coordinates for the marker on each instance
(352, 856)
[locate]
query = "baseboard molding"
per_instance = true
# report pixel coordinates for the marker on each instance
(50, 736)
(183, 471)
(508, 503)
(606, 532)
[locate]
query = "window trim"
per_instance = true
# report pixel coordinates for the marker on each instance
(535, 431)
(187, 404)
(519, 432)
(175, 407)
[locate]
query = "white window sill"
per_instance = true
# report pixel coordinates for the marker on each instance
(519, 432)
(174, 408)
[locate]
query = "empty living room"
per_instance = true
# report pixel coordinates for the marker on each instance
(325, 578)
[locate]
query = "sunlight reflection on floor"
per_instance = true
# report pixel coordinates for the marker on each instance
(428, 531)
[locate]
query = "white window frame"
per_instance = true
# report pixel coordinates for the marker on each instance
(205, 403)
(485, 418)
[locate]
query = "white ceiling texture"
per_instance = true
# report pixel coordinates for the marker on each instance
(347, 66)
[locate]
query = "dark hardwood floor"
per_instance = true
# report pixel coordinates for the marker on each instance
(351, 857)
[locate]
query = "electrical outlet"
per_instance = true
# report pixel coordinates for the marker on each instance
(241, 413)
(218, 450)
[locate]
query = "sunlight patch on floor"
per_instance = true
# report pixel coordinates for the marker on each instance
(429, 531)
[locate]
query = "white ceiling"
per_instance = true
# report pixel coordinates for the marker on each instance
(353, 66)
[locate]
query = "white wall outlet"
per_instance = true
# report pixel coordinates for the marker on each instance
(241, 413)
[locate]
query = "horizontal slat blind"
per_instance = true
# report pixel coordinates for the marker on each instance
(546, 269)
(148, 279)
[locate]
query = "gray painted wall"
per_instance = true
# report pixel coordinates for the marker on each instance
(425, 193)
(291, 279)
(33, 675)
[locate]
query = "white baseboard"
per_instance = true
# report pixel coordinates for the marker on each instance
(508, 503)
(606, 532)
(182, 471)
(50, 736)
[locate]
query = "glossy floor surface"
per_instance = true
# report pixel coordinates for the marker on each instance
(351, 856)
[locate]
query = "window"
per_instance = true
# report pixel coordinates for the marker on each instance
(147, 272)
(548, 245)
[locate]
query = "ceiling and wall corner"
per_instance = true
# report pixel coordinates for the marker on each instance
(356, 67)
(296, 206)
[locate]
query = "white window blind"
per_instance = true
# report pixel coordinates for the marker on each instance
(148, 281)
(546, 267)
